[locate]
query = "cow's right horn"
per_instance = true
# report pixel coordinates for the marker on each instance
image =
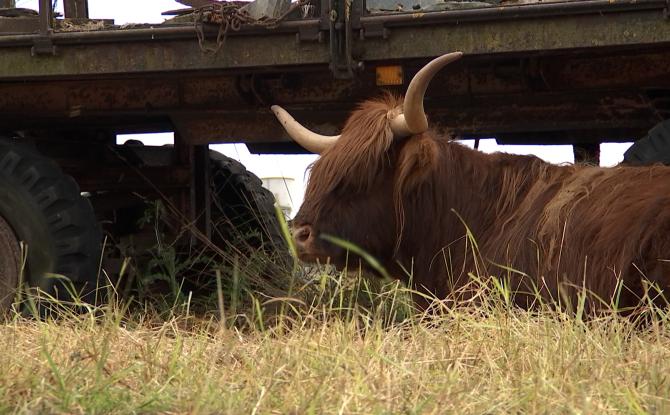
(413, 119)
(316, 143)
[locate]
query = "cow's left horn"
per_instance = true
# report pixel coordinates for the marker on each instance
(413, 119)
(310, 140)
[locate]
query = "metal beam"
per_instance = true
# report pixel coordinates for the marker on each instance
(524, 36)
(160, 49)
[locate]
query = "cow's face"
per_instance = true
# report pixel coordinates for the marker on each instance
(357, 187)
(350, 191)
(363, 219)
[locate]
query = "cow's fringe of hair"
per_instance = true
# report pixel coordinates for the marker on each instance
(359, 157)
(418, 159)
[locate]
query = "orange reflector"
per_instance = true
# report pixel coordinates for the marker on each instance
(389, 75)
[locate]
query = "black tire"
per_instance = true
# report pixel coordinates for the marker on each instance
(243, 211)
(46, 211)
(652, 148)
(243, 215)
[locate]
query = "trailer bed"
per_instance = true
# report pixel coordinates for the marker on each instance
(557, 72)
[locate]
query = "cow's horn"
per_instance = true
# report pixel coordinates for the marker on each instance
(310, 140)
(413, 119)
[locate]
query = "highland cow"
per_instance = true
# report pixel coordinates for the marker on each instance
(428, 207)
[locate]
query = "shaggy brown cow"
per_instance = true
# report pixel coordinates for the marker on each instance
(416, 201)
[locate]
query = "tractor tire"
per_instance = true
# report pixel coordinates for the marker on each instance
(243, 211)
(652, 148)
(43, 208)
(243, 217)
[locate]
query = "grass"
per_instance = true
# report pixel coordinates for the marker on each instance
(331, 343)
(335, 355)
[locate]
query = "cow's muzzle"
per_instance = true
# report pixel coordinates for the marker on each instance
(305, 239)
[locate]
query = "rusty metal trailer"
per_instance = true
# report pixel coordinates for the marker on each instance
(573, 72)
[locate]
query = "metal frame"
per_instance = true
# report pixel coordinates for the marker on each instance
(531, 29)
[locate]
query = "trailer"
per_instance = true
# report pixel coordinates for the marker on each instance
(534, 72)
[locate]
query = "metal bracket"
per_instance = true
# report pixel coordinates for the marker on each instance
(374, 30)
(43, 46)
(310, 33)
(343, 14)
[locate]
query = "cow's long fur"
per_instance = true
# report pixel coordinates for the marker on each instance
(546, 227)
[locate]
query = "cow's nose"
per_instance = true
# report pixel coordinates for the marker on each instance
(303, 236)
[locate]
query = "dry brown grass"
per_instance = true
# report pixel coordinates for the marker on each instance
(337, 357)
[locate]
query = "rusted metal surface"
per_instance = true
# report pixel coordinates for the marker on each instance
(143, 57)
(155, 94)
(519, 29)
(540, 69)
(543, 112)
(516, 12)
(539, 35)
(211, 126)
(24, 24)
(612, 94)
(164, 93)
(605, 117)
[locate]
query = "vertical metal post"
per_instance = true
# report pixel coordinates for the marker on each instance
(77, 9)
(42, 45)
(196, 205)
(45, 17)
(201, 197)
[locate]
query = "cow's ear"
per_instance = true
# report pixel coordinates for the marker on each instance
(417, 161)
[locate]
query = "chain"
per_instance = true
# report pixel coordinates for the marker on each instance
(230, 16)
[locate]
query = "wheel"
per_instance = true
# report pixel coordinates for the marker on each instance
(243, 211)
(242, 214)
(43, 208)
(652, 148)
